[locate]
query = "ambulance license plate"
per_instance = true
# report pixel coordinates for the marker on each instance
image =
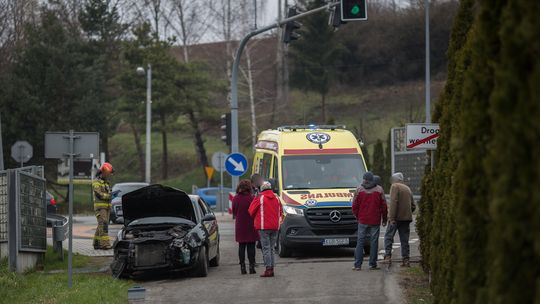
(336, 242)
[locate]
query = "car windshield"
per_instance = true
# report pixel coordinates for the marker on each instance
(322, 171)
(212, 192)
(157, 220)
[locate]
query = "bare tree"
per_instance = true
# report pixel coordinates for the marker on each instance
(13, 17)
(189, 22)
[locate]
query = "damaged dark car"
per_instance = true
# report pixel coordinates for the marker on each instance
(165, 229)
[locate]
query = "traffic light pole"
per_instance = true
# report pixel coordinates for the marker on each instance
(236, 64)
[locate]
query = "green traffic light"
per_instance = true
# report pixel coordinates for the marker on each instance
(355, 9)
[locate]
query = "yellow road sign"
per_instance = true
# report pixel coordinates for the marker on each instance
(209, 172)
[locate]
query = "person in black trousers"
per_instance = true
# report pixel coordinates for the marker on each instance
(245, 232)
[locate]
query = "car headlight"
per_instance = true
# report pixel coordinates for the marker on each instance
(293, 210)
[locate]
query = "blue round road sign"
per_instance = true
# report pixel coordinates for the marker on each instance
(236, 164)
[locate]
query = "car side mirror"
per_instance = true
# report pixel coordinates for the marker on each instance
(209, 217)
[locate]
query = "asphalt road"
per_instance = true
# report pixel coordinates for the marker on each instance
(322, 276)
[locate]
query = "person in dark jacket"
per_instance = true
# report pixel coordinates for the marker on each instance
(267, 211)
(369, 207)
(245, 232)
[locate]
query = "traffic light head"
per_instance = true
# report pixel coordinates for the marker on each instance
(288, 33)
(226, 128)
(353, 10)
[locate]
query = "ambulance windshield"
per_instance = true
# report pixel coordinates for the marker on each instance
(322, 171)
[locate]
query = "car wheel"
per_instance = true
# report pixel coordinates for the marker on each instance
(283, 251)
(118, 269)
(215, 261)
(201, 270)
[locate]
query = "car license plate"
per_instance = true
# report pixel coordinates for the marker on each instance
(335, 242)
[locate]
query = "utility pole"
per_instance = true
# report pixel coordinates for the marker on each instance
(148, 160)
(148, 123)
(235, 66)
(428, 76)
(1, 146)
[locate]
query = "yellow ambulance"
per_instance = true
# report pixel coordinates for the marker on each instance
(316, 170)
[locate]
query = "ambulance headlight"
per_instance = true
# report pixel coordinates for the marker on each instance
(293, 211)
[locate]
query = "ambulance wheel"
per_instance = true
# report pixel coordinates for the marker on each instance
(283, 251)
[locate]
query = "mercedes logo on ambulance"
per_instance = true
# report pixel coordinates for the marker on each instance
(318, 138)
(335, 216)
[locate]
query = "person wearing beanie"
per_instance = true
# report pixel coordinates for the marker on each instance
(369, 208)
(267, 212)
(400, 212)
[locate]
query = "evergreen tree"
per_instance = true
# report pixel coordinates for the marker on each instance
(100, 22)
(365, 152)
(387, 163)
(513, 159)
(43, 91)
(143, 50)
(378, 159)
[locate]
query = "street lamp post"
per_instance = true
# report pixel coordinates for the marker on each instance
(141, 71)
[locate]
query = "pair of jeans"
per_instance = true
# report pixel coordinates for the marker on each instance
(403, 229)
(268, 243)
(250, 247)
(371, 232)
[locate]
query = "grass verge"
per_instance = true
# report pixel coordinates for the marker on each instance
(41, 287)
(415, 285)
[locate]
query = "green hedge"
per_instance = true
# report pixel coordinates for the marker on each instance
(478, 222)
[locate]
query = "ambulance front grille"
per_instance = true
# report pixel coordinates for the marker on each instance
(321, 217)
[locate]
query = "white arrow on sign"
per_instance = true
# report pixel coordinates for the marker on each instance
(238, 166)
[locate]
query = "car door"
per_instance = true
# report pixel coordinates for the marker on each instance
(211, 227)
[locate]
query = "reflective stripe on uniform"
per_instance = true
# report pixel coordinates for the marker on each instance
(102, 205)
(102, 238)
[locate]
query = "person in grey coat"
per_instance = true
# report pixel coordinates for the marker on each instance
(400, 210)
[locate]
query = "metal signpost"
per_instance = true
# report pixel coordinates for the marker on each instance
(22, 152)
(218, 162)
(1, 147)
(80, 145)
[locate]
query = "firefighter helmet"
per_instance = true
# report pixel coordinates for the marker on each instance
(106, 167)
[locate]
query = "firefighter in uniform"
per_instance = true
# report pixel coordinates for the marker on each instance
(102, 206)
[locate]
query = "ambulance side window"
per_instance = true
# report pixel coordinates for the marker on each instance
(264, 169)
(275, 172)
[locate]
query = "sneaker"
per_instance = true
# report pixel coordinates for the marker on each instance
(356, 268)
(373, 268)
(387, 259)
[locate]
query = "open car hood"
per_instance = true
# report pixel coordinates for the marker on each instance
(155, 201)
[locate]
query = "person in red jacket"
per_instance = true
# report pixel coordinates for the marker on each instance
(369, 207)
(244, 231)
(267, 211)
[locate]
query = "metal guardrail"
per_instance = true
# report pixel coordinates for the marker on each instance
(60, 228)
